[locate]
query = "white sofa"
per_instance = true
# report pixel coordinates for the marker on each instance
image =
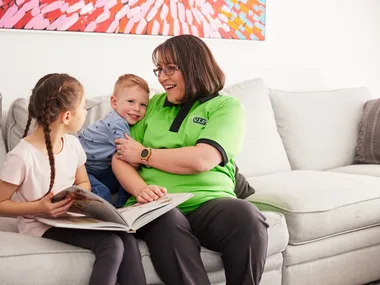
(298, 155)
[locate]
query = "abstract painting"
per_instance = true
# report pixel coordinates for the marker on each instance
(230, 19)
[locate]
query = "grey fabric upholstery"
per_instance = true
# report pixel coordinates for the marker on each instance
(44, 261)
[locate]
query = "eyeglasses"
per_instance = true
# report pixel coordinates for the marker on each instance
(168, 70)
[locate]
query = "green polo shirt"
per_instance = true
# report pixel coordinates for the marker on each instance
(215, 120)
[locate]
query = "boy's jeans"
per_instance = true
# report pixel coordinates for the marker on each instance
(104, 184)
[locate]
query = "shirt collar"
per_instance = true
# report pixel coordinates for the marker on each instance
(201, 99)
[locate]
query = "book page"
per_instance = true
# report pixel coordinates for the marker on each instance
(151, 210)
(90, 204)
(82, 222)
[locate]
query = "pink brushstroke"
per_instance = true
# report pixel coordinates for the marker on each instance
(30, 5)
(69, 22)
(34, 21)
(13, 21)
(51, 7)
(90, 27)
(58, 22)
(8, 16)
(36, 11)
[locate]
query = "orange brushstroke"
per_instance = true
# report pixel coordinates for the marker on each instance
(122, 24)
(232, 25)
(115, 9)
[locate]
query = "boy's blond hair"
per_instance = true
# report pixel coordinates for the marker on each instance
(129, 80)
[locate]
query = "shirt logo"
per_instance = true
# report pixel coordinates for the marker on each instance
(200, 121)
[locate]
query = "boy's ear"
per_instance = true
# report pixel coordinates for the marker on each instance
(113, 102)
(66, 117)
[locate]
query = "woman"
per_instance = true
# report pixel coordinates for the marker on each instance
(187, 143)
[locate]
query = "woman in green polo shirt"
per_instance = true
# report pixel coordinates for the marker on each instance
(187, 142)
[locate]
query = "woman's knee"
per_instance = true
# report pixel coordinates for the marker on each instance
(249, 220)
(170, 228)
(172, 221)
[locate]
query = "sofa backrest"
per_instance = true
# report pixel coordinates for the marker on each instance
(319, 129)
(18, 114)
(263, 151)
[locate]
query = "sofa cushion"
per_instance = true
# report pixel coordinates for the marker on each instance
(32, 260)
(362, 169)
(319, 204)
(368, 143)
(18, 114)
(263, 151)
(242, 187)
(319, 129)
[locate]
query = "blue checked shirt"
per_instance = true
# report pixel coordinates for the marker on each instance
(98, 139)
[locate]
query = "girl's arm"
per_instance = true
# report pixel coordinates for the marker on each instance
(81, 178)
(38, 207)
(131, 181)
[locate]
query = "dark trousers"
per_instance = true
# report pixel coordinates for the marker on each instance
(117, 254)
(104, 183)
(233, 227)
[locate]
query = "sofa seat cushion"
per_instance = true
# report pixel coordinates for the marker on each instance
(361, 169)
(319, 204)
(33, 260)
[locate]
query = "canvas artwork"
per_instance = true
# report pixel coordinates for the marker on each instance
(229, 19)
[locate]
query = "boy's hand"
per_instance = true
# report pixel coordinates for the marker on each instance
(47, 208)
(150, 193)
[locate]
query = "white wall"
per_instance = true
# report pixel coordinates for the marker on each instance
(310, 45)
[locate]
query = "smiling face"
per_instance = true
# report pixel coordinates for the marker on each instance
(130, 102)
(173, 84)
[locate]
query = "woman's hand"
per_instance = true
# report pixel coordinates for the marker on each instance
(150, 193)
(128, 149)
(47, 208)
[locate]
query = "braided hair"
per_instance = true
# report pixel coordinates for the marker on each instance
(53, 94)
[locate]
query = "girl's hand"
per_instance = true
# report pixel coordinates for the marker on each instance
(150, 193)
(47, 208)
(128, 149)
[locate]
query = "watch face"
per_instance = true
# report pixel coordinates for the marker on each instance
(144, 153)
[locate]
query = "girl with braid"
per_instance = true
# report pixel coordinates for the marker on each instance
(50, 160)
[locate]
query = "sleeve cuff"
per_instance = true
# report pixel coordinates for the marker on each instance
(218, 147)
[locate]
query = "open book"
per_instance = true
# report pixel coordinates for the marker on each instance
(89, 211)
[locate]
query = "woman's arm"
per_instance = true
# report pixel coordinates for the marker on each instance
(81, 178)
(38, 207)
(131, 181)
(184, 160)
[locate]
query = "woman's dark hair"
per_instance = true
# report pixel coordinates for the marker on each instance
(201, 73)
(53, 94)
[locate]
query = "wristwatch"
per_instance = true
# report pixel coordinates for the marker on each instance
(145, 154)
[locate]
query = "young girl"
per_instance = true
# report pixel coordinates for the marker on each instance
(50, 160)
